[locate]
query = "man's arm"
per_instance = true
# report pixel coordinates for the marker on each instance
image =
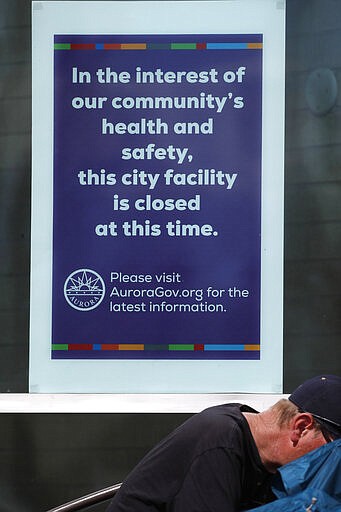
(213, 484)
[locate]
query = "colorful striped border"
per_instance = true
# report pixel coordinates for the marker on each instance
(158, 46)
(188, 347)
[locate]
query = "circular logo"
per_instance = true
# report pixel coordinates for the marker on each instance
(84, 289)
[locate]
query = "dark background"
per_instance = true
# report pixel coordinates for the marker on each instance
(47, 459)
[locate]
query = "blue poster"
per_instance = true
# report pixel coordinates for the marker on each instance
(157, 197)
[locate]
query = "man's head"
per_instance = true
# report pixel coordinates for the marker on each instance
(321, 397)
(294, 433)
(291, 428)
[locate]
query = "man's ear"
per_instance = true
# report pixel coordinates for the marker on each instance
(301, 424)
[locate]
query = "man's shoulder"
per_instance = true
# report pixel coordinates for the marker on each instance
(229, 411)
(219, 424)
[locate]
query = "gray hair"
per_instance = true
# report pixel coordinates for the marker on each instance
(286, 411)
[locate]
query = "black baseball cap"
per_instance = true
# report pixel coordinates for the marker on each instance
(321, 397)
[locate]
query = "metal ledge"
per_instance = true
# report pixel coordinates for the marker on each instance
(127, 403)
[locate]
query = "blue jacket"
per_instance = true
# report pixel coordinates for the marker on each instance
(311, 483)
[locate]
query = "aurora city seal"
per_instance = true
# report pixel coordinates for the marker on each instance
(84, 289)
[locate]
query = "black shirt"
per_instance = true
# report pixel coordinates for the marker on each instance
(208, 464)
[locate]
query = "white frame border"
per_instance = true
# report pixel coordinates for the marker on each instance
(247, 16)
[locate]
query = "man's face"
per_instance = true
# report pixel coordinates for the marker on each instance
(303, 438)
(281, 442)
(309, 441)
